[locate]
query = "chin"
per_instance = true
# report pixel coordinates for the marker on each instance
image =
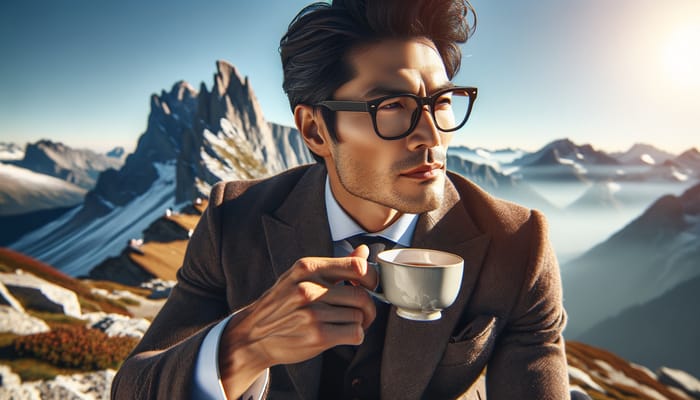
(428, 199)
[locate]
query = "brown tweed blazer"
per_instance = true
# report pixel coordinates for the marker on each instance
(508, 316)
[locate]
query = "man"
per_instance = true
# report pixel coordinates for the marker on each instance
(270, 298)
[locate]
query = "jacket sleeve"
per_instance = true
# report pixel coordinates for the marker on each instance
(162, 364)
(529, 361)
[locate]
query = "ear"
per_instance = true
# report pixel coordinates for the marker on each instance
(311, 126)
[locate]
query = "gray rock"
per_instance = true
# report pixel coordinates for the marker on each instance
(20, 323)
(116, 324)
(88, 386)
(37, 293)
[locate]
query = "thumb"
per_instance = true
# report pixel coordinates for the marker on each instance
(360, 251)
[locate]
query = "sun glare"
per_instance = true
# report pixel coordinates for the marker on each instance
(682, 55)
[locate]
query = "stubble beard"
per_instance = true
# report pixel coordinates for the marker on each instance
(380, 189)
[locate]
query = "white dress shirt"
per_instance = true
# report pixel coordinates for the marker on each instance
(207, 378)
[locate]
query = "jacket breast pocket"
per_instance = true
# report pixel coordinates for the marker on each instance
(472, 342)
(465, 357)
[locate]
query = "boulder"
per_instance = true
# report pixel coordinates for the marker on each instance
(20, 323)
(34, 292)
(116, 324)
(88, 386)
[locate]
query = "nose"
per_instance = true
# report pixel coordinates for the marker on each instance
(426, 134)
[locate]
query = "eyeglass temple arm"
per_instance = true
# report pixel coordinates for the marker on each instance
(340, 105)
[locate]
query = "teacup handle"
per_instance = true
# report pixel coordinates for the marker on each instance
(376, 295)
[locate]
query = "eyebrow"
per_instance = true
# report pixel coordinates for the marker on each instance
(380, 91)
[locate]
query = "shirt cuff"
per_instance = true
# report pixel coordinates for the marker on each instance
(207, 378)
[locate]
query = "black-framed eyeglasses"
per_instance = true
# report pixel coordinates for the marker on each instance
(396, 116)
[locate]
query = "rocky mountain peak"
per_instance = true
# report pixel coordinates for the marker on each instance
(232, 98)
(193, 139)
(643, 154)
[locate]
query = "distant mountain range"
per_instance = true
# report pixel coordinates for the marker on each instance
(652, 254)
(193, 140)
(565, 160)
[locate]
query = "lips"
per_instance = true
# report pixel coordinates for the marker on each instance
(426, 171)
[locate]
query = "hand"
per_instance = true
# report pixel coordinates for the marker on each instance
(305, 313)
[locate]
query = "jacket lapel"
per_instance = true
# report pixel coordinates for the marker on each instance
(299, 228)
(412, 350)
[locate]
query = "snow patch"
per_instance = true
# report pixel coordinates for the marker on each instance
(77, 251)
(31, 178)
(580, 375)
(618, 378)
(485, 154)
(613, 187)
(647, 159)
(679, 176)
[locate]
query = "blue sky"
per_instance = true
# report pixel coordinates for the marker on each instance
(605, 72)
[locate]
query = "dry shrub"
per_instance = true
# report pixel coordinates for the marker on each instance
(76, 347)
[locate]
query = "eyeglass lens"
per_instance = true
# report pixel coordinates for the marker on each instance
(395, 115)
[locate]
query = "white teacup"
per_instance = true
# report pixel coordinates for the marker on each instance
(419, 282)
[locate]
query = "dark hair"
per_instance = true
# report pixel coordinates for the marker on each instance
(319, 38)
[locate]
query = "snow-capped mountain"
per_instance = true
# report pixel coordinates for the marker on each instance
(642, 154)
(566, 152)
(77, 166)
(23, 191)
(688, 163)
(496, 159)
(654, 253)
(193, 140)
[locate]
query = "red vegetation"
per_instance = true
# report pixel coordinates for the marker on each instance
(76, 347)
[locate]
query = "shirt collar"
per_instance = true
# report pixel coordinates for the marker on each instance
(342, 226)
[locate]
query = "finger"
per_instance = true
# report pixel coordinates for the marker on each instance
(353, 297)
(326, 313)
(331, 270)
(361, 251)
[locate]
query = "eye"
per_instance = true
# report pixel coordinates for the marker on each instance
(444, 101)
(391, 104)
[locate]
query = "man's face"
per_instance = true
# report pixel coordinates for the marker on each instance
(366, 171)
